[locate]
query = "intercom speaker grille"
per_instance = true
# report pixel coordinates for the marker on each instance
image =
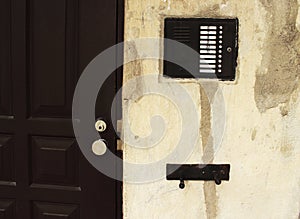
(182, 34)
(214, 39)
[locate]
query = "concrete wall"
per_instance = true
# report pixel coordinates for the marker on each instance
(261, 140)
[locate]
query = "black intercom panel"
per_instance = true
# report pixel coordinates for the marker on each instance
(216, 41)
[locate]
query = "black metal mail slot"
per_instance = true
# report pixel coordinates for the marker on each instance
(206, 172)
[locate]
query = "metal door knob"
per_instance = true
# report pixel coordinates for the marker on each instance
(99, 147)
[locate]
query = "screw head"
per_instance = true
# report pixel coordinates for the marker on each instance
(181, 184)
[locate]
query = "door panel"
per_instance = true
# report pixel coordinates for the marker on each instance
(45, 45)
(7, 209)
(55, 211)
(7, 173)
(45, 151)
(52, 56)
(5, 59)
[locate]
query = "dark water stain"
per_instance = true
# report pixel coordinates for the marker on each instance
(210, 194)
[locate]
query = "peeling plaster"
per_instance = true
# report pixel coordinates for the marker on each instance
(281, 55)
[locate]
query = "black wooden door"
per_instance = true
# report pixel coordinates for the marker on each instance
(44, 47)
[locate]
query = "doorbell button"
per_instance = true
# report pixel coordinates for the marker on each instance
(99, 147)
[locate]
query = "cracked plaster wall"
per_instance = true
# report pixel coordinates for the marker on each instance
(262, 135)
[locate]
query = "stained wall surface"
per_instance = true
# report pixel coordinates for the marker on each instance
(261, 139)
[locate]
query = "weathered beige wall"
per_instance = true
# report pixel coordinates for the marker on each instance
(262, 135)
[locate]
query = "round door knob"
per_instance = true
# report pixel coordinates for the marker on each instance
(99, 147)
(100, 125)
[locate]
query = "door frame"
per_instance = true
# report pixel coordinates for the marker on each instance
(119, 79)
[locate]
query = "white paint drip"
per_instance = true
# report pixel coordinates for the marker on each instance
(298, 17)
